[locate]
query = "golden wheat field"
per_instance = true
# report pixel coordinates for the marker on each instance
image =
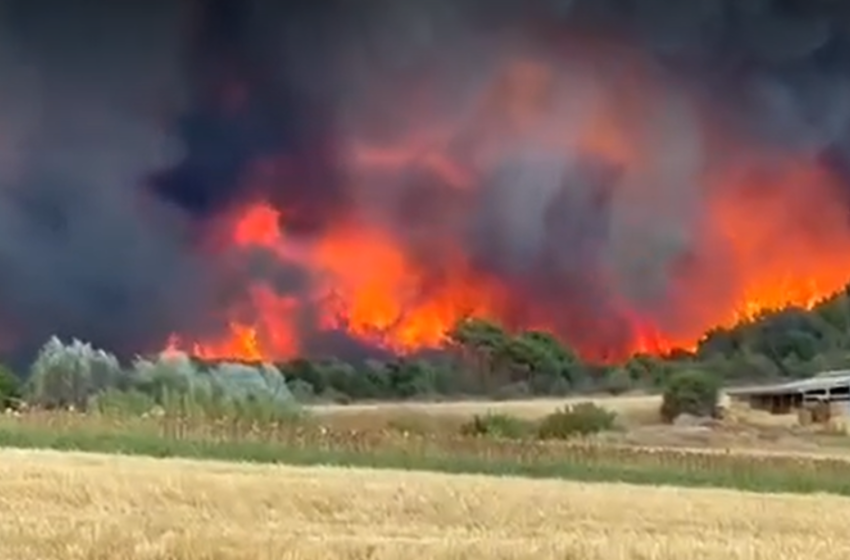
(74, 506)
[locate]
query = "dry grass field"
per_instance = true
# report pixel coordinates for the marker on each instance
(530, 409)
(744, 428)
(448, 416)
(75, 506)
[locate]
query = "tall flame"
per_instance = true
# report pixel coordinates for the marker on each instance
(768, 234)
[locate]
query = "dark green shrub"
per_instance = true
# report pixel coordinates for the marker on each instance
(302, 390)
(512, 391)
(331, 395)
(577, 420)
(307, 371)
(550, 385)
(691, 391)
(618, 381)
(648, 370)
(10, 389)
(410, 378)
(496, 425)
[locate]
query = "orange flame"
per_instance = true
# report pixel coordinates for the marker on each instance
(763, 241)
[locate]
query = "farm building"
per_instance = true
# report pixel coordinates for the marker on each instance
(828, 388)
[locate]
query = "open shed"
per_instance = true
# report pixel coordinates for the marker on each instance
(827, 387)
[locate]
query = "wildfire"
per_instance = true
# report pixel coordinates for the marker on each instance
(757, 240)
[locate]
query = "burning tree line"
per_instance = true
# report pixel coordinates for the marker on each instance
(480, 358)
(269, 179)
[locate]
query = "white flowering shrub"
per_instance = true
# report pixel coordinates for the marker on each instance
(170, 371)
(115, 402)
(226, 388)
(67, 375)
(242, 381)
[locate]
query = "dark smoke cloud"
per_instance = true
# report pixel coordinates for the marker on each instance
(128, 131)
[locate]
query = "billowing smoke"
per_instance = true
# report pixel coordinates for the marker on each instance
(566, 150)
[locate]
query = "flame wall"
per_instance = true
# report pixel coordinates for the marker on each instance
(262, 179)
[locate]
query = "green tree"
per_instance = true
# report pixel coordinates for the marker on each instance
(618, 381)
(307, 371)
(499, 359)
(835, 311)
(344, 378)
(550, 367)
(480, 344)
(411, 378)
(68, 375)
(478, 334)
(690, 391)
(10, 389)
(644, 369)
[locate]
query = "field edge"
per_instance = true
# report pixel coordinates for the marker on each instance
(686, 474)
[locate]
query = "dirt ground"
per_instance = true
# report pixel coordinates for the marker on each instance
(638, 419)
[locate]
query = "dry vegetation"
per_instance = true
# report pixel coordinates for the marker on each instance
(392, 436)
(744, 433)
(530, 408)
(637, 414)
(633, 410)
(74, 506)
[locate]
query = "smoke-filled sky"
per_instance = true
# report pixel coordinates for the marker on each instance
(591, 166)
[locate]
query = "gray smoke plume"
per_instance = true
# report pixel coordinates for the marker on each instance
(128, 134)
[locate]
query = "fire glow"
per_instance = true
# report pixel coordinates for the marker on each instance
(765, 231)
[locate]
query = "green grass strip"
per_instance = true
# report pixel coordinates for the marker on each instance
(146, 444)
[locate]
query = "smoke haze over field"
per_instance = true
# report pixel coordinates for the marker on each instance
(263, 178)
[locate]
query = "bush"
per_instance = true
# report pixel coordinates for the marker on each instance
(693, 392)
(550, 385)
(65, 376)
(411, 378)
(10, 389)
(302, 391)
(331, 395)
(113, 402)
(648, 370)
(578, 420)
(255, 393)
(171, 372)
(496, 425)
(242, 382)
(618, 381)
(512, 391)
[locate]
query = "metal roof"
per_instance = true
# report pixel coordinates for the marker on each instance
(825, 380)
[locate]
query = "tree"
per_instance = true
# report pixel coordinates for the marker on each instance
(478, 334)
(68, 375)
(835, 312)
(305, 370)
(646, 369)
(543, 361)
(344, 378)
(411, 378)
(498, 358)
(10, 389)
(691, 391)
(481, 343)
(618, 381)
